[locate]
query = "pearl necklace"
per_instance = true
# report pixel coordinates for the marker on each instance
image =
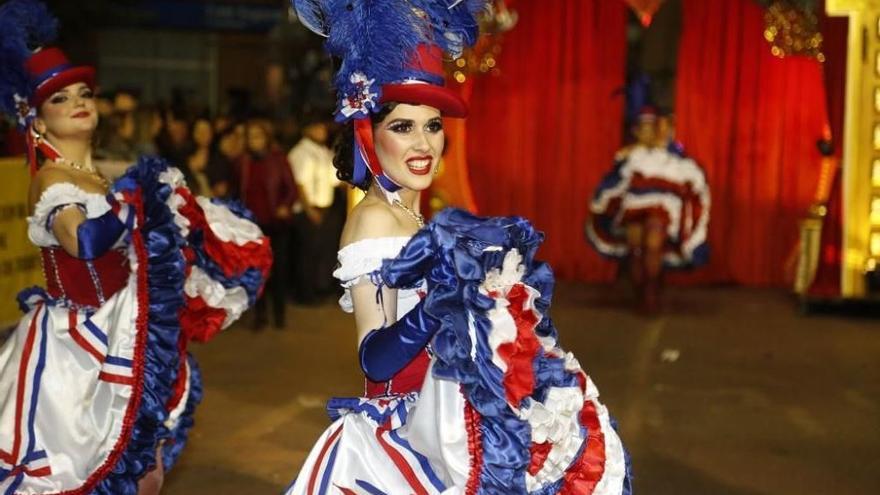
(418, 217)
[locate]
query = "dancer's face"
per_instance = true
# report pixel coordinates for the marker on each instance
(409, 144)
(645, 132)
(68, 113)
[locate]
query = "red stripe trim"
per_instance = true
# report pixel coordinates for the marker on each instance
(22, 378)
(6, 457)
(321, 455)
(34, 473)
(399, 461)
(110, 377)
(472, 420)
(79, 339)
(38, 473)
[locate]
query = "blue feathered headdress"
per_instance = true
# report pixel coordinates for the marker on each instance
(376, 41)
(25, 26)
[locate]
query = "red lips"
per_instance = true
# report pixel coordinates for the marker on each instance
(82, 114)
(420, 171)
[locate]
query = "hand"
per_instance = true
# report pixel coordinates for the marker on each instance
(221, 189)
(314, 214)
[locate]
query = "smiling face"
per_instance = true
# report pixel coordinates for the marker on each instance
(68, 113)
(409, 143)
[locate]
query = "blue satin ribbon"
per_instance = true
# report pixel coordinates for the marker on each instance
(361, 167)
(41, 78)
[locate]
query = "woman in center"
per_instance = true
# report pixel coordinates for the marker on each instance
(466, 390)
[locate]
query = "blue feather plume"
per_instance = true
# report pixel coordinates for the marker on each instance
(25, 25)
(377, 38)
(453, 23)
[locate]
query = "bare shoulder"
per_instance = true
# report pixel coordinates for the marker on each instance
(45, 178)
(370, 219)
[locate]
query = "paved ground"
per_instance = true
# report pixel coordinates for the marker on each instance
(731, 391)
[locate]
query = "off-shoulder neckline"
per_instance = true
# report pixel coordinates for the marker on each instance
(71, 185)
(374, 240)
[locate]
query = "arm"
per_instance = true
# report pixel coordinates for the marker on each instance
(95, 236)
(85, 238)
(386, 344)
(387, 350)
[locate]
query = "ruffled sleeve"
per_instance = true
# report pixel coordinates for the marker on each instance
(55, 198)
(358, 260)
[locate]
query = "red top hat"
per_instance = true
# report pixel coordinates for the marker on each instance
(50, 71)
(423, 87)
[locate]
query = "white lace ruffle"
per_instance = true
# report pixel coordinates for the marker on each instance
(360, 259)
(62, 193)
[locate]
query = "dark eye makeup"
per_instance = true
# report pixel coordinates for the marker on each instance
(62, 96)
(403, 126)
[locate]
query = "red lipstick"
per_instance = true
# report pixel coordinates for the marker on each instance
(418, 169)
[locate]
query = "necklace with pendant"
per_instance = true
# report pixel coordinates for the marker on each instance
(418, 217)
(91, 171)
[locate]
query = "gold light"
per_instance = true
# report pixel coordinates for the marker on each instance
(875, 173)
(877, 137)
(875, 244)
(875, 212)
(792, 30)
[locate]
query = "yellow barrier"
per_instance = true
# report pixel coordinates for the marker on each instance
(19, 259)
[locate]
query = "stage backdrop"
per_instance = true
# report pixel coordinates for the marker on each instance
(752, 120)
(542, 134)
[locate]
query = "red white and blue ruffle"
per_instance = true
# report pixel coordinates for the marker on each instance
(660, 183)
(89, 393)
(503, 409)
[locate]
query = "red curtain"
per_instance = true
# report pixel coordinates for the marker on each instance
(541, 135)
(752, 121)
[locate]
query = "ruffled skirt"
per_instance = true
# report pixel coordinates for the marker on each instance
(433, 442)
(88, 395)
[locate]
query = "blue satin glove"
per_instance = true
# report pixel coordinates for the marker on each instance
(96, 236)
(386, 351)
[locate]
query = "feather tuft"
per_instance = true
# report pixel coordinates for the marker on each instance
(25, 26)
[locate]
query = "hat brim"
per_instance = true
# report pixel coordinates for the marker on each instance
(447, 101)
(73, 75)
